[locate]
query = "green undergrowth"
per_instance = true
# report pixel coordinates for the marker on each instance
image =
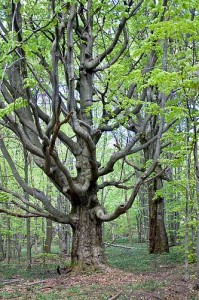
(138, 259)
(147, 286)
(37, 271)
(43, 266)
(7, 295)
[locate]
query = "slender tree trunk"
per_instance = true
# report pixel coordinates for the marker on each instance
(36, 243)
(113, 236)
(130, 228)
(87, 243)
(64, 235)
(158, 240)
(49, 227)
(17, 239)
(172, 216)
(64, 230)
(197, 192)
(174, 225)
(28, 244)
(142, 216)
(48, 240)
(8, 247)
(129, 222)
(186, 241)
(8, 239)
(196, 166)
(187, 201)
(2, 253)
(8, 222)
(197, 278)
(139, 230)
(28, 226)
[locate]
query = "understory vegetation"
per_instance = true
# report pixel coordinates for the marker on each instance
(133, 274)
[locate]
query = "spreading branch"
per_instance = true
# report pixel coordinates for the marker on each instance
(122, 208)
(95, 62)
(32, 191)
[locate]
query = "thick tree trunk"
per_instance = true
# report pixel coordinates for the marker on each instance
(158, 240)
(87, 243)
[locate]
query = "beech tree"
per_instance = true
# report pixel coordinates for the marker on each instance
(77, 59)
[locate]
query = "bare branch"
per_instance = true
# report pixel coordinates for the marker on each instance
(19, 215)
(29, 37)
(129, 149)
(95, 62)
(6, 190)
(56, 131)
(117, 184)
(70, 60)
(74, 186)
(122, 208)
(117, 56)
(56, 101)
(32, 191)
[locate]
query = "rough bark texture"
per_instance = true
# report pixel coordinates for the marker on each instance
(158, 240)
(87, 244)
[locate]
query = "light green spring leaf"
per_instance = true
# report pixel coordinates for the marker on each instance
(19, 103)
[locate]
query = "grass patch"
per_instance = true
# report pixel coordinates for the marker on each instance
(7, 295)
(77, 292)
(48, 296)
(148, 286)
(138, 260)
(42, 267)
(37, 271)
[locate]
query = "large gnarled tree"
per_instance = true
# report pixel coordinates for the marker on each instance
(64, 51)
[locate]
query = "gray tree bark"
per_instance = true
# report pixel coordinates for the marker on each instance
(158, 240)
(2, 252)
(77, 60)
(48, 237)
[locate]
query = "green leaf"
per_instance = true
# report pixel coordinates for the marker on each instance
(19, 103)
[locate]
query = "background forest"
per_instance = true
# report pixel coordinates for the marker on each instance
(99, 130)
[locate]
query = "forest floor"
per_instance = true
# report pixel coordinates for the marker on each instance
(131, 274)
